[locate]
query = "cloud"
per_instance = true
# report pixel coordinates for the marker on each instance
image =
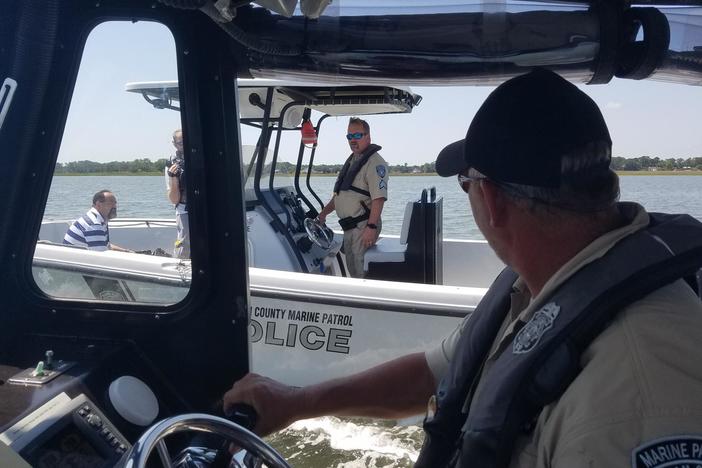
(613, 105)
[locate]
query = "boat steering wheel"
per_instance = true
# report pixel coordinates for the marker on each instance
(234, 433)
(319, 233)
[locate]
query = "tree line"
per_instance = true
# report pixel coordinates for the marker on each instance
(141, 165)
(647, 163)
(289, 168)
(145, 165)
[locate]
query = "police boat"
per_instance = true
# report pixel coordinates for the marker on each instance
(121, 359)
(283, 233)
(325, 322)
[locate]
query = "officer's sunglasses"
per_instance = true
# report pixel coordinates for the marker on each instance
(465, 180)
(355, 136)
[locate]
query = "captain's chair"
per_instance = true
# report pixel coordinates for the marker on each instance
(416, 256)
(390, 249)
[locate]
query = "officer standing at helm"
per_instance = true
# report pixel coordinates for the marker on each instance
(360, 192)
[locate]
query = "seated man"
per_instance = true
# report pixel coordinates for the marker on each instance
(90, 230)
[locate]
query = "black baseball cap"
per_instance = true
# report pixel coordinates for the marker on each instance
(523, 129)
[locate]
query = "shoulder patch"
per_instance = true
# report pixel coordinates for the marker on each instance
(380, 170)
(675, 452)
(382, 185)
(531, 333)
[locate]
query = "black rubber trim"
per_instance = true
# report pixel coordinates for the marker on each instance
(604, 68)
(638, 60)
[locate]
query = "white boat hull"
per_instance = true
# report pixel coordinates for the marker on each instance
(469, 263)
(303, 328)
(329, 327)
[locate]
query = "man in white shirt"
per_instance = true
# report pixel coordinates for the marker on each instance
(90, 230)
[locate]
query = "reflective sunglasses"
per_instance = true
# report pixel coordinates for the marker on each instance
(465, 180)
(355, 136)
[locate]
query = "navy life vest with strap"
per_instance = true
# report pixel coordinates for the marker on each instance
(181, 188)
(349, 172)
(544, 356)
(178, 159)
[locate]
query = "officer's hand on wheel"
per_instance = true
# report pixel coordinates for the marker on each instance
(322, 218)
(275, 403)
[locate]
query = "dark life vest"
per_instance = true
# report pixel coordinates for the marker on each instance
(349, 171)
(178, 159)
(543, 357)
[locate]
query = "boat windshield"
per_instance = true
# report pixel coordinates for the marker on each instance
(136, 162)
(430, 7)
(249, 157)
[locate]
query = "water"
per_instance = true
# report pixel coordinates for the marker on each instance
(352, 443)
(348, 443)
(145, 196)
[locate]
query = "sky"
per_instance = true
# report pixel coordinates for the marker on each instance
(105, 123)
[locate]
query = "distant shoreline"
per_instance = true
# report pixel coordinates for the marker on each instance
(394, 174)
(657, 173)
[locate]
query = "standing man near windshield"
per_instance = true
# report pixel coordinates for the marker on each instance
(360, 192)
(175, 185)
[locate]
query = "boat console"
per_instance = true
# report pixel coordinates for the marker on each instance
(67, 432)
(85, 407)
(279, 239)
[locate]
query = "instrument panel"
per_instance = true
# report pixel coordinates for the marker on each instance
(86, 414)
(67, 432)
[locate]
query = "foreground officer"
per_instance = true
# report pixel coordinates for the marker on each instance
(584, 352)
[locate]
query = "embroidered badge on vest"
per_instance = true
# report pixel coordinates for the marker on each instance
(530, 335)
(674, 452)
(380, 170)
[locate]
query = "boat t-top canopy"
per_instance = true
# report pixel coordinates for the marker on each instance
(328, 99)
(274, 106)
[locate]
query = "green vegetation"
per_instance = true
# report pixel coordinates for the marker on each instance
(143, 166)
(333, 169)
(683, 172)
(649, 164)
(642, 165)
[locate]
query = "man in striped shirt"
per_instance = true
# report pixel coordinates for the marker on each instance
(90, 231)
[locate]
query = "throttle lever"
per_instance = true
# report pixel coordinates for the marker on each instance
(243, 415)
(247, 417)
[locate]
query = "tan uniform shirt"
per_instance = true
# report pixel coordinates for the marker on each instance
(373, 178)
(638, 400)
